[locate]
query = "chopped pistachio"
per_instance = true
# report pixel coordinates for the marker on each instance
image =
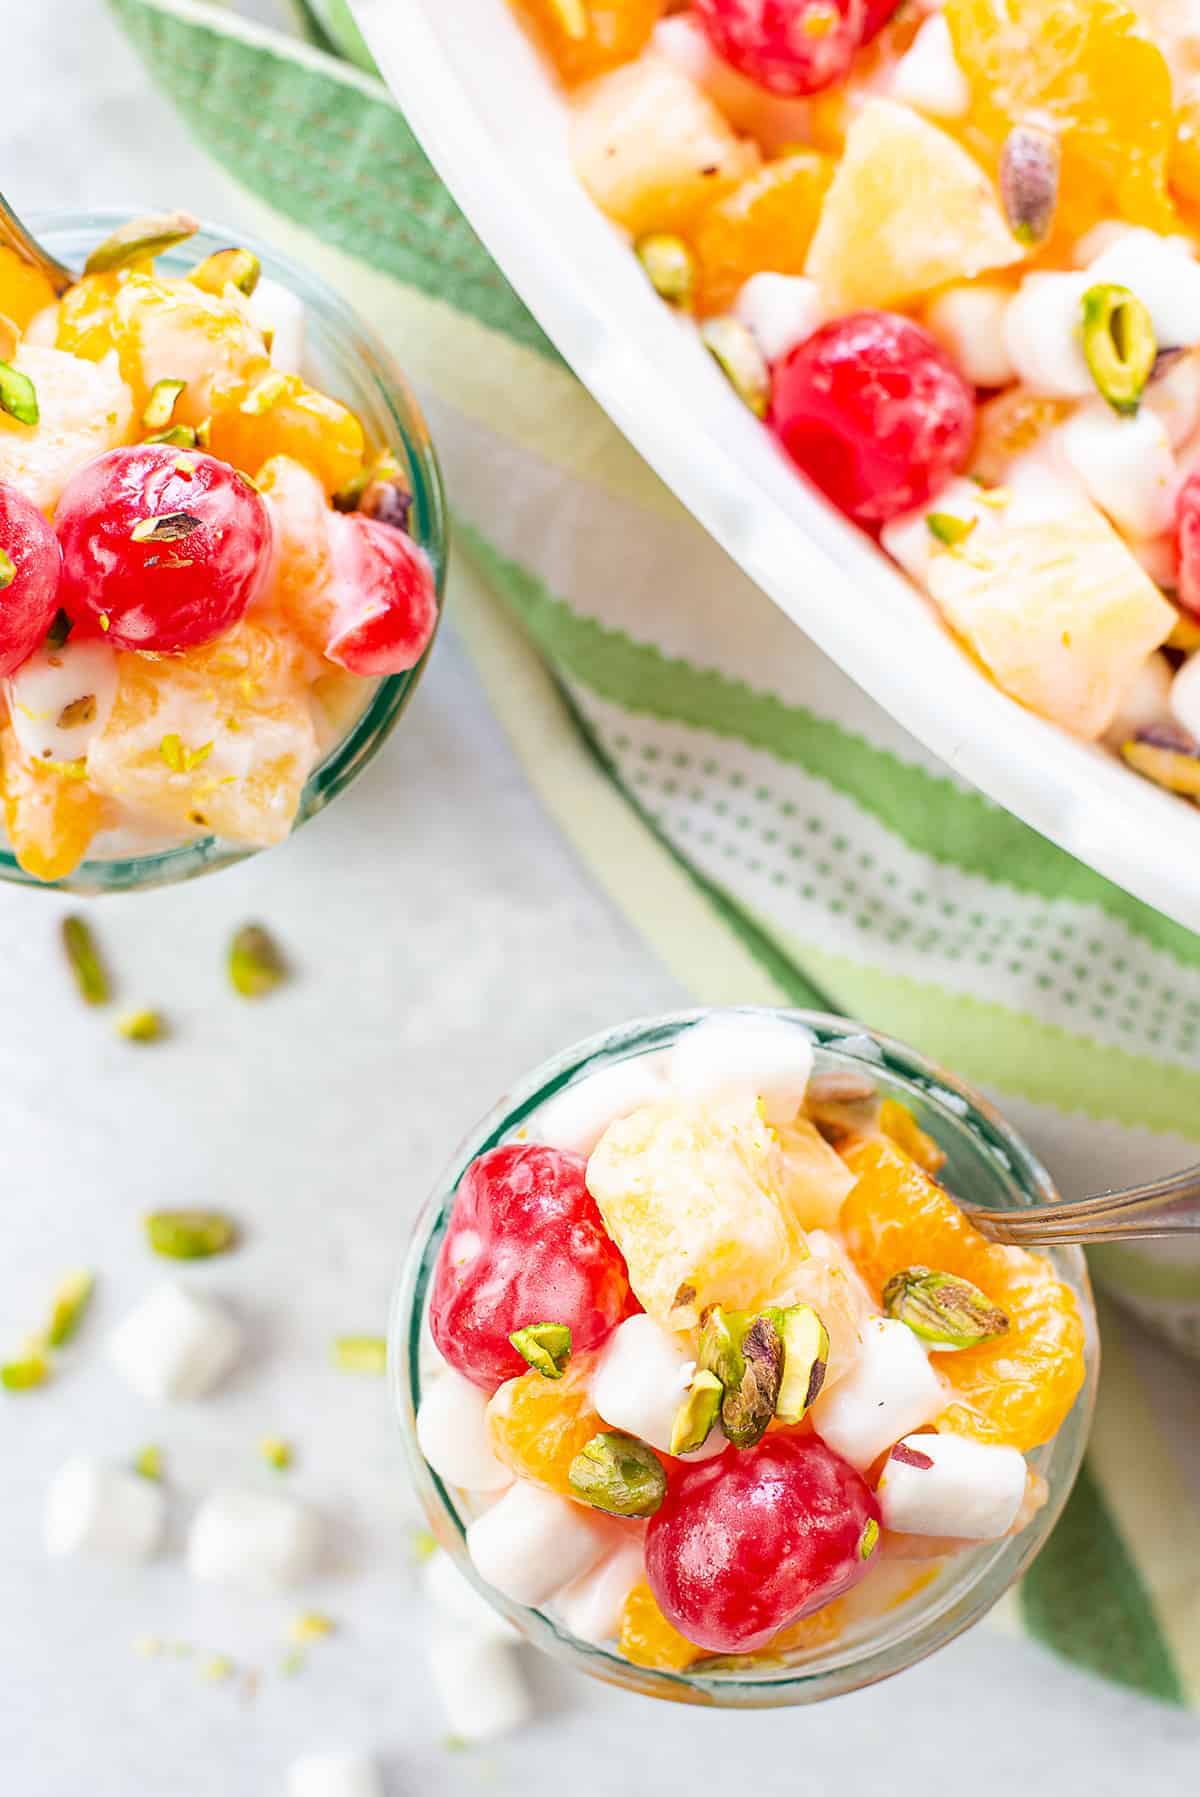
(546, 1346)
(190, 1234)
(1119, 344)
(148, 1461)
(869, 1539)
(670, 267)
(161, 404)
(311, 1626)
(696, 1415)
(360, 1354)
(67, 1307)
(217, 1668)
(948, 530)
(618, 1474)
(276, 1452)
(942, 1309)
(1029, 169)
(145, 1025)
(169, 527)
(265, 393)
(176, 436)
(740, 360)
(178, 757)
(103, 620)
(79, 711)
(30, 1370)
(749, 1405)
(8, 571)
(83, 957)
(18, 395)
(141, 239)
(256, 964)
(227, 268)
(424, 1546)
(805, 1360)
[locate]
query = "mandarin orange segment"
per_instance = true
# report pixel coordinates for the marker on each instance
(24, 290)
(1016, 1389)
(290, 418)
(648, 1639)
(1093, 70)
(767, 222)
(538, 1425)
(898, 1123)
(50, 813)
(583, 38)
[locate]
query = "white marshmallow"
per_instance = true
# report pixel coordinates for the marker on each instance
(780, 311)
(1145, 702)
(1164, 277)
(969, 324)
(911, 542)
(639, 1383)
(1043, 486)
(947, 1485)
(1125, 464)
(592, 1607)
(533, 1542)
(728, 1056)
(1175, 398)
(253, 1541)
(577, 1117)
(452, 1433)
(338, 1774)
(102, 1513)
(1043, 335)
(481, 1686)
(891, 1390)
(928, 76)
(52, 679)
(275, 308)
(460, 1603)
(174, 1344)
(1185, 696)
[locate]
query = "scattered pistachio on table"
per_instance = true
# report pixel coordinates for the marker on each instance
(190, 1234)
(85, 961)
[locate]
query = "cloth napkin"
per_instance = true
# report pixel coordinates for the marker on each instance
(770, 831)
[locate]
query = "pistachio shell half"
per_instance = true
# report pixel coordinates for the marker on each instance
(618, 1474)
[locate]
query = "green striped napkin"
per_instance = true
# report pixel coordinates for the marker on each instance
(771, 832)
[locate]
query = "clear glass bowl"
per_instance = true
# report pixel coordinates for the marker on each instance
(345, 359)
(986, 1163)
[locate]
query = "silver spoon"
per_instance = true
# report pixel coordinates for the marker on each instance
(14, 235)
(1162, 1207)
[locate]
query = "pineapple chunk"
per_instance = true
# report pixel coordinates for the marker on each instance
(694, 1198)
(828, 1282)
(652, 149)
(1059, 612)
(84, 408)
(908, 211)
(816, 1178)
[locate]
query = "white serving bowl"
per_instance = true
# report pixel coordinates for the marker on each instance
(476, 93)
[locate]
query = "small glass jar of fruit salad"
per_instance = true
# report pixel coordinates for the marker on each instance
(221, 551)
(708, 1382)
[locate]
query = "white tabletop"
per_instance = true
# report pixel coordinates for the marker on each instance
(445, 940)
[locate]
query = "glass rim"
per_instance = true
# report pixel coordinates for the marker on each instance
(966, 1598)
(346, 758)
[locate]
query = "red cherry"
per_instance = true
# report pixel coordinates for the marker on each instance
(746, 1544)
(386, 605)
(30, 568)
(161, 549)
(1187, 525)
(877, 15)
(874, 412)
(525, 1244)
(788, 46)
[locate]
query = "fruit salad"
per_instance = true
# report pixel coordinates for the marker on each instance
(719, 1368)
(205, 567)
(947, 251)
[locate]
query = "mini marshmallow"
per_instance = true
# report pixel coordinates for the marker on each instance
(274, 308)
(452, 1433)
(532, 1543)
(891, 1390)
(947, 1485)
(911, 542)
(339, 1774)
(639, 1383)
(1184, 697)
(47, 684)
(969, 324)
(253, 1541)
(577, 1117)
(1125, 464)
(1043, 333)
(928, 76)
(592, 1607)
(102, 1512)
(459, 1602)
(481, 1686)
(1163, 275)
(1145, 702)
(744, 1057)
(1175, 398)
(174, 1344)
(780, 311)
(1043, 486)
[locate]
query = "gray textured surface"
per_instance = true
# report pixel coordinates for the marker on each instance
(446, 939)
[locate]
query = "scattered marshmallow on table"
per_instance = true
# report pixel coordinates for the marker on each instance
(639, 1383)
(780, 311)
(928, 76)
(1163, 275)
(969, 324)
(275, 308)
(253, 1541)
(891, 1390)
(1125, 464)
(175, 1344)
(592, 1606)
(1043, 333)
(738, 1057)
(482, 1688)
(576, 1118)
(948, 1485)
(340, 1774)
(453, 1434)
(532, 1543)
(102, 1512)
(457, 1599)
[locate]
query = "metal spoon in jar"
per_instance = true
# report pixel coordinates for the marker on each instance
(14, 236)
(1161, 1207)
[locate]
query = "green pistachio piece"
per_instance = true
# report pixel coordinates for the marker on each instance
(1029, 168)
(948, 530)
(256, 963)
(148, 1462)
(161, 404)
(176, 436)
(546, 1346)
(740, 360)
(311, 1625)
(942, 1309)
(869, 1539)
(170, 527)
(18, 395)
(141, 239)
(8, 571)
(228, 268)
(265, 393)
(1118, 344)
(618, 1474)
(670, 266)
(719, 1351)
(190, 1234)
(699, 1411)
(750, 1404)
(805, 1360)
(360, 1354)
(142, 1026)
(276, 1452)
(25, 1374)
(83, 958)
(67, 1306)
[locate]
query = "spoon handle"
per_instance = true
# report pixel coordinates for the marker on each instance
(14, 236)
(1162, 1207)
